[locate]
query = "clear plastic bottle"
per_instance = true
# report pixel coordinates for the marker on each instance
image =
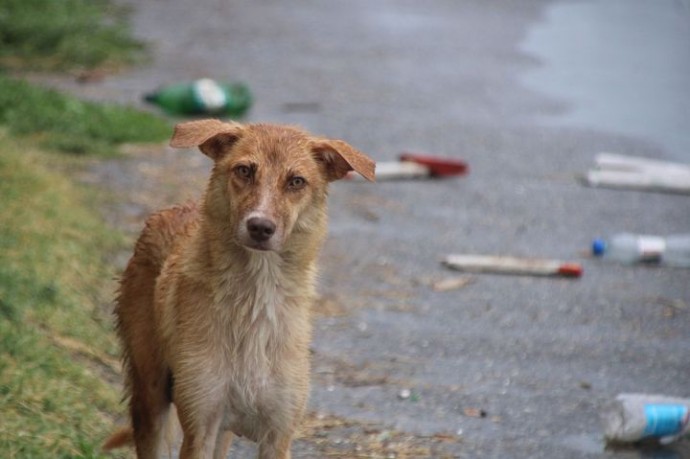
(634, 248)
(634, 417)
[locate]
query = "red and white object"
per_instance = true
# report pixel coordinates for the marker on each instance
(414, 166)
(512, 265)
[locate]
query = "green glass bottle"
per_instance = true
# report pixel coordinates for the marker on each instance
(204, 96)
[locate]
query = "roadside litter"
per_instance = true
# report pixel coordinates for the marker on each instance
(474, 413)
(203, 97)
(407, 394)
(512, 265)
(634, 248)
(635, 173)
(416, 166)
(634, 417)
(452, 283)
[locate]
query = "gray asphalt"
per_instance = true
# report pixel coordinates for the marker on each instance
(491, 83)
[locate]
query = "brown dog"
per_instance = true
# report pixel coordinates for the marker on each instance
(214, 305)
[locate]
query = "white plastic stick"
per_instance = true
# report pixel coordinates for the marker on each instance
(678, 182)
(396, 170)
(512, 265)
(617, 162)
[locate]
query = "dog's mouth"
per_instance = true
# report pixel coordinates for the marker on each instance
(259, 246)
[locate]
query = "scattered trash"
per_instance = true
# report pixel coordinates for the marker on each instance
(633, 417)
(630, 172)
(630, 248)
(474, 413)
(411, 166)
(407, 394)
(625, 163)
(512, 265)
(204, 96)
(452, 283)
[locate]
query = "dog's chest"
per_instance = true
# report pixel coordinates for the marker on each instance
(251, 300)
(259, 338)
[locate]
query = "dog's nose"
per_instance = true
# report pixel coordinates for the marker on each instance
(260, 229)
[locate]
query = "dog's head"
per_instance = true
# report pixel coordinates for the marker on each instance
(269, 181)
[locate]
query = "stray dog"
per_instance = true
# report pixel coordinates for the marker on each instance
(214, 306)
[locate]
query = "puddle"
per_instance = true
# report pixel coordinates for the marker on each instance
(621, 66)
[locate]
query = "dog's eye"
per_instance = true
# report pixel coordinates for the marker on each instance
(243, 171)
(296, 183)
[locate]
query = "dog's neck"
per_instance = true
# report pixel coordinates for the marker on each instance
(259, 297)
(292, 270)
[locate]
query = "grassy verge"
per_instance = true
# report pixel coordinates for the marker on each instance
(65, 35)
(57, 121)
(55, 335)
(58, 353)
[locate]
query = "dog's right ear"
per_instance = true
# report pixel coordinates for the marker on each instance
(213, 137)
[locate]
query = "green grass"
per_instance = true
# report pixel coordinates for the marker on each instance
(63, 123)
(56, 338)
(58, 352)
(65, 35)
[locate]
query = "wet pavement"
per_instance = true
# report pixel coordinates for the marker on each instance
(504, 367)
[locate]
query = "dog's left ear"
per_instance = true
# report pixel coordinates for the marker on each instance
(213, 137)
(339, 158)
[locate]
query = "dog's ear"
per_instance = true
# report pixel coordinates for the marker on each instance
(338, 158)
(213, 137)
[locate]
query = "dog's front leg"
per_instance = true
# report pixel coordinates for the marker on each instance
(200, 409)
(275, 446)
(200, 438)
(223, 444)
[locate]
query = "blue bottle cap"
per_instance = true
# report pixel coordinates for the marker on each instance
(598, 247)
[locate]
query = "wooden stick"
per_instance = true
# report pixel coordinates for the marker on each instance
(512, 265)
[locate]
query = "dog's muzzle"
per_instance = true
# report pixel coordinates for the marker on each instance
(260, 229)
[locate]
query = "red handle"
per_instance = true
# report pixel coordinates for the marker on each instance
(438, 166)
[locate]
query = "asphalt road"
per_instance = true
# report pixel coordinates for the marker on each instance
(479, 81)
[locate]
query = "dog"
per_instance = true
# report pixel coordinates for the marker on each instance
(214, 306)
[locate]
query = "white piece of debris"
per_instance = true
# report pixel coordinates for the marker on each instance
(400, 170)
(452, 283)
(512, 265)
(636, 173)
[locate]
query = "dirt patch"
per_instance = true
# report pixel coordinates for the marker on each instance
(331, 370)
(332, 436)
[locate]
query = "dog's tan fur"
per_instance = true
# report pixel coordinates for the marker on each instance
(214, 308)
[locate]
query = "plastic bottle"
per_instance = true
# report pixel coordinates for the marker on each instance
(634, 417)
(633, 248)
(204, 96)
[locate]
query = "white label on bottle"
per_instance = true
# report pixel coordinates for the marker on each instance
(210, 95)
(650, 248)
